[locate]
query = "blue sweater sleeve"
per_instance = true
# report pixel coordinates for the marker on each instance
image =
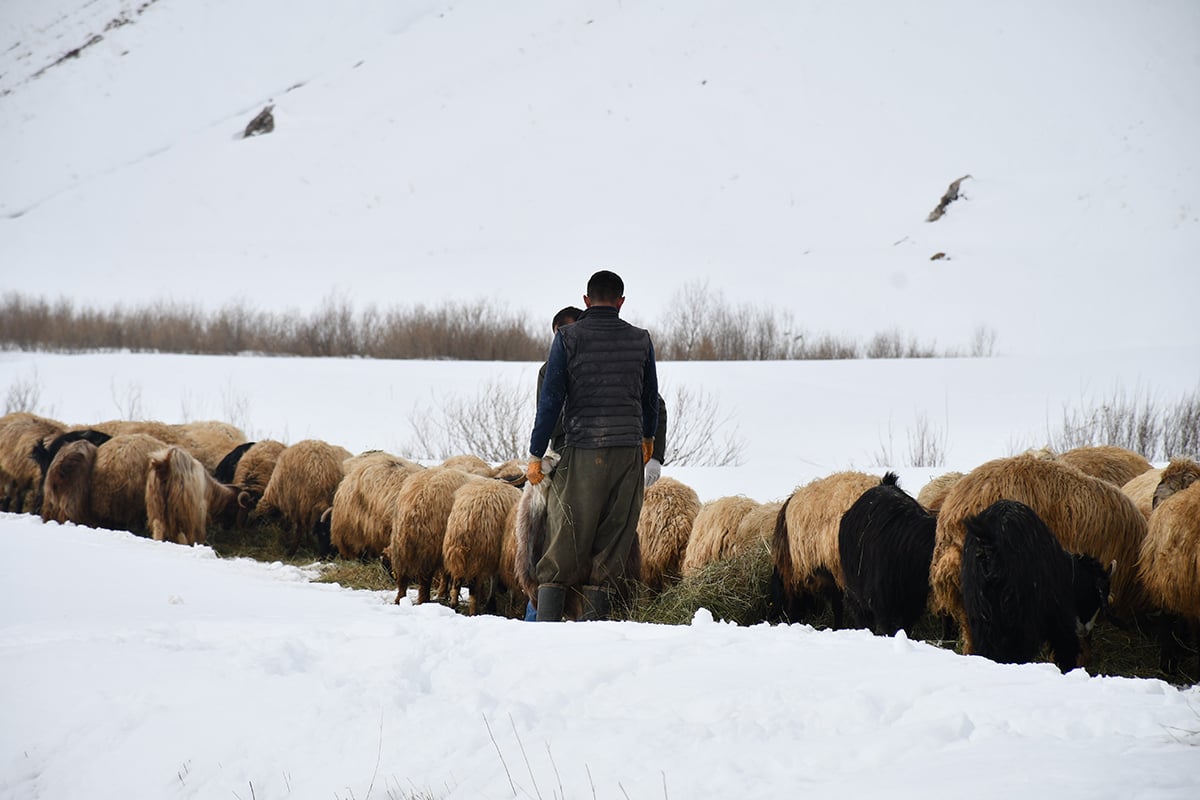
(550, 401)
(649, 396)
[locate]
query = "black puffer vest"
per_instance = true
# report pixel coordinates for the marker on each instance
(606, 359)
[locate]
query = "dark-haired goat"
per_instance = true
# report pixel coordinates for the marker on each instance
(1021, 589)
(227, 467)
(886, 543)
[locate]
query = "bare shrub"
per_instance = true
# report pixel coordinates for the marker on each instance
(701, 326)
(828, 347)
(128, 400)
(1135, 422)
(926, 444)
(495, 424)
(24, 394)
(1181, 427)
(696, 433)
(983, 342)
(893, 344)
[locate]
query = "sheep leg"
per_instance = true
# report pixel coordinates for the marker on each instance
(473, 599)
(490, 605)
(1171, 635)
(424, 589)
(835, 603)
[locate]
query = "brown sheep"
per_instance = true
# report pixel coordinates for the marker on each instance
(1088, 515)
(475, 532)
(419, 527)
(364, 503)
(668, 510)
(119, 481)
(1116, 465)
(167, 434)
(808, 567)
(68, 485)
(933, 494)
(20, 475)
(512, 471)
(1169, 566)
(254, 469)
(209, 441)
(715, 524)
(471, 464)
(1176, 476)
(181, 497)
(302, 486)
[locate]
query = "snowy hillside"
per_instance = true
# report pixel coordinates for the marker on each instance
(783, 153)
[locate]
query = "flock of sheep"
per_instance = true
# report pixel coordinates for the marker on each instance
(1019, 552)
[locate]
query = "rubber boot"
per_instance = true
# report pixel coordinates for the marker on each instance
(597, 602)
(551, 598)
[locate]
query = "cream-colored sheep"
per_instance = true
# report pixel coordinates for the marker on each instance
(1141, 490)
(1088, 515)
(302, 486)
(669, 508)
(365, 503)
(1117, 465)
(471, 464)
(757, 529)
(714, 527)
(933, 494)
(805, 546)
(167, 434)
(419, 527)
(119, 481)
(182, 497)
(209, 441)
(474, 541)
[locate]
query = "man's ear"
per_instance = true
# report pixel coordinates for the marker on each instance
(587, 301)
(620, 302)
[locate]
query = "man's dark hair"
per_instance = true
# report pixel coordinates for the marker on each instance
(565, 317)
(605, 287)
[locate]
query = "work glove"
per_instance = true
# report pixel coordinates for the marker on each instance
(647, 449)
(534, 472)
(653, 472)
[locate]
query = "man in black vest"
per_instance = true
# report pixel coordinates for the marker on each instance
(601, 370)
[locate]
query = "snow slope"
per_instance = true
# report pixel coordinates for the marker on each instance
(782, 153)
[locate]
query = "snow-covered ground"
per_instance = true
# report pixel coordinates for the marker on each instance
(784, 154)
(138, 669)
